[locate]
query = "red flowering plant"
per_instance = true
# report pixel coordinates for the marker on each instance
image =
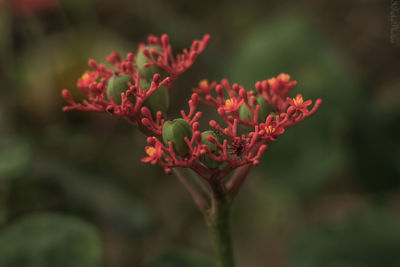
(137, 89)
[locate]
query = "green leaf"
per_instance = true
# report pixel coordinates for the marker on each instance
(15, 158)
(100, 199)
(49, 240)
(368, 240)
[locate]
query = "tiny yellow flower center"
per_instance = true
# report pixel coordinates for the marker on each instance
(272, 81)
(269, 129)
(298, 100)
(151, 151)
(85, 76)
(229, 103)
(285, 77)
(203, 83)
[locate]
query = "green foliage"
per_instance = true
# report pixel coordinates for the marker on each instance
(180, 258)
(292, 45)
(47, 240)
(15, 158)
(369, 240)
(106, 202)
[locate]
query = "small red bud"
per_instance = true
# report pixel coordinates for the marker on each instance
(165, 40)
(92, 64)
(67, 95)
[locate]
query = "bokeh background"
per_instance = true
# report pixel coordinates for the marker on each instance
(73, 191)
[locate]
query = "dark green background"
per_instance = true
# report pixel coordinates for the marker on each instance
(73, 191)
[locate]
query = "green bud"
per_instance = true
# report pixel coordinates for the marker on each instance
(141, 59)
(265, 108)
(206, 160)
(176, 131)
(245, 112)
(116, 85)
(158, 100)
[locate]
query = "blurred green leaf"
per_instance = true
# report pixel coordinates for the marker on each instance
(308, 154)
(375, 140)
(369, 240)
(100, 198)
(118, 209)
(49, 240)
(180, 258)
(15, 157)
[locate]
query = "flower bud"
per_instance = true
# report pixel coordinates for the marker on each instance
(176, 131)
(158, 100)
(141, 59)
(205, 159)
(245, 112)
(116, 85)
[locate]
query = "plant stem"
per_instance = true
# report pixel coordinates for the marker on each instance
(238, 179)
(198, 196)
(219, 226)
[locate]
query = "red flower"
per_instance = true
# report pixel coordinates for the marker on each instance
(299, 103)
(204, 87)
(86, 79)
(154, 153)
(232, 104)
(270, 130)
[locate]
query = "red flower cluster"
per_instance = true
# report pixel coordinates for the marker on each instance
(252, 118)
(236, 149)
(94, 83)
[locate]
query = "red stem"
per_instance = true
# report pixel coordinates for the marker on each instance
(238, 178)
(197, 196)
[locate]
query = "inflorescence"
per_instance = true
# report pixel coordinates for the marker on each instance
(137, 89)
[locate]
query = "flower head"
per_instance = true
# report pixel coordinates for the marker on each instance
(270, 130)
(298, 103)
(232, 104)
(135, 90)
(154, 153)
(87, 78)
(204, 87)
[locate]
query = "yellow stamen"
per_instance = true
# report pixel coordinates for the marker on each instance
(284, 77)
(229, 103)
(85, 76)
(269, 129)
(203, 83)
(151, 151)
(272, 81)
(298, 100)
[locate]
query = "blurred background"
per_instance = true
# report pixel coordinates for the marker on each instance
(73, 191)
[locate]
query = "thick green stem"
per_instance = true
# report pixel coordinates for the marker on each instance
(219, 226)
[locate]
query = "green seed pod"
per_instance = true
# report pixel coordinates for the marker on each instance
(158, 100)
(116, 85)
(265, 108)
(245, 112)
(176, 131)
(206, 160)
(141, 59)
